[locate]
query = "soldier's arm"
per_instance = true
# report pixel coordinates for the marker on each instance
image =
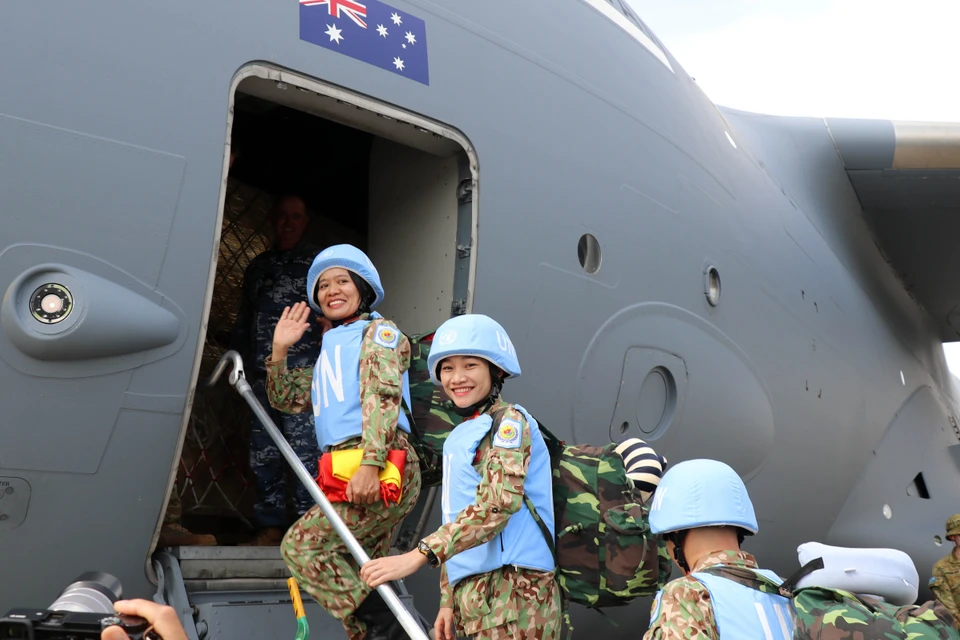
(500, 495)
(942, 592)
(288, 390)
(381, 386)
(446, 593)
(682, 611)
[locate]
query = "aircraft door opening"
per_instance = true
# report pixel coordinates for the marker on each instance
(397, 186)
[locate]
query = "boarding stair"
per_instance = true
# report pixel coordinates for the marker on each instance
(235, 593)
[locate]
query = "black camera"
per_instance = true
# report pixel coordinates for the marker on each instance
(83, 610)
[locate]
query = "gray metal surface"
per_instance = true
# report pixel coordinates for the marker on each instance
(113, 134)
(221, 563)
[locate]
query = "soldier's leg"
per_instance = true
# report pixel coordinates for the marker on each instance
(531, 600)
(324, 568)
(320, 562)
(301, 433)
(268, 468)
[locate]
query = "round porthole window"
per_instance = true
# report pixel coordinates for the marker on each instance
(588, 251)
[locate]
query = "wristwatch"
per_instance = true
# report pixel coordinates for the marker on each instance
(432, 559)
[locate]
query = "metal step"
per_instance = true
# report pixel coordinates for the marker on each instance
(231, 563)
(222, 593)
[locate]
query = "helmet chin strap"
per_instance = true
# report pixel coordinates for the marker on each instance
(677, 537)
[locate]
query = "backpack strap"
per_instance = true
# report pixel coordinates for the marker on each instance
(756, 581)
(789, 585)
(564, 611)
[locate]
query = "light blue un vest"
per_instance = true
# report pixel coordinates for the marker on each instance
(521, 542)
(335, 391)
(744, 613)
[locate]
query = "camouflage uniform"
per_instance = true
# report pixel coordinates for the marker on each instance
(274, 280)
(510, 602)
(945, 582)
(683, 611)
(317, 557)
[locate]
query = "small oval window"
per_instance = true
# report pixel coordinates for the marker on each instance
(588, 251)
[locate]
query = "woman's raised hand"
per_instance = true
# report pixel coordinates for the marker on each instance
(294, 322)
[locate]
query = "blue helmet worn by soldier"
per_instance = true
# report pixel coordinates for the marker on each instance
(497, 570)
(521, 542)
(704, 512)
(337, 421)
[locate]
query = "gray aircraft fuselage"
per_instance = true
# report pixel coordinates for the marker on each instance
(816, 375)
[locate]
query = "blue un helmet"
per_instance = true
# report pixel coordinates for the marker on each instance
(473, 335)
(345, 256)
(701, 493)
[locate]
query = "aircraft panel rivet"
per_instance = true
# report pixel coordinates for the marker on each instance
(9, 490)
(3, 517)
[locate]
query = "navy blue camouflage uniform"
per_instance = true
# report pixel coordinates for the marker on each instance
(274, 280)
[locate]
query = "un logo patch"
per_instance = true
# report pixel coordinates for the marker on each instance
(387, 337)
(508, 434)
(447, 337)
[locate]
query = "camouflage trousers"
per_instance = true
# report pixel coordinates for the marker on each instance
(270, 469)
(319, 560)
(508, 604)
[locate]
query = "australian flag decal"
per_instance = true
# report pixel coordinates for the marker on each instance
(370, 31)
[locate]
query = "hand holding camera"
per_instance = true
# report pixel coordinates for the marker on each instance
(92, 607)
(162, 619)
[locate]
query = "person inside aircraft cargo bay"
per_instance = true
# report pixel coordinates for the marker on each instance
(497, 570)
(945, 582)
(702, 509)
(276, 279)
(355, 392)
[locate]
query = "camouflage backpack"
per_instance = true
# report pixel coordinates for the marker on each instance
(605, 553)
(821, 613)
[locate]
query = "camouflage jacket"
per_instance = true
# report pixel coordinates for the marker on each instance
(499, 496)
(945, 583)
(273, 280)
(381, 375)
(682, 610)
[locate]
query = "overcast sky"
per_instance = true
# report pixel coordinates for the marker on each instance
(830, 58)
(840, 58)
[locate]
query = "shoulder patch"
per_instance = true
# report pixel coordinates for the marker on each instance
(932, 581)
(655, 609)
(387, 336)
(508, 434)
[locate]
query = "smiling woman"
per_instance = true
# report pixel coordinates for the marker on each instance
(354, 394)
(495, 548)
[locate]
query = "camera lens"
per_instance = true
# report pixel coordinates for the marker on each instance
(92, 592)
(13, 631)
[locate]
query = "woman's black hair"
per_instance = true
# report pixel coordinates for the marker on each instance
(367, 295)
